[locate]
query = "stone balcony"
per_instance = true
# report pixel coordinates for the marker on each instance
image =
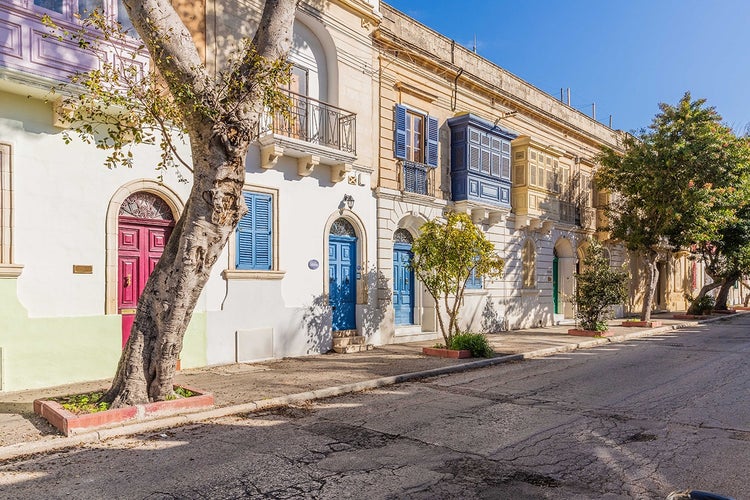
(313, 132)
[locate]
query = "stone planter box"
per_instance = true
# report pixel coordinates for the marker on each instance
(446, 353)
(691, 316)
(589, 333)
(642, 324)
(70, 423)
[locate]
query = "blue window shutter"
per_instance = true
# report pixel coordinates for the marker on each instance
(263, 232)
(399, 146)
(432, 141)
(254, 233)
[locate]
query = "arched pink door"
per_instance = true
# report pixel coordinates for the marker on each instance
(143, 227)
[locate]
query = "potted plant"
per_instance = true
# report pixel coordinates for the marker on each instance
(598, 288)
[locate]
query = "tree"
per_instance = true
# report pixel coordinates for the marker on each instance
(445, 257)
(675, 184)
(218, 113)
(726, 260)
(598, 288)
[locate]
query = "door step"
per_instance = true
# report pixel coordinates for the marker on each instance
(355, 343)
(343, 333)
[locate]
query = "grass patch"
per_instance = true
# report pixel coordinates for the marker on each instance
(84, 403)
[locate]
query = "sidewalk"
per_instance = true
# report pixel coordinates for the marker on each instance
(247, 387)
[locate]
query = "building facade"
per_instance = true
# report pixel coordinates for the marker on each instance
(390, 124)
(78, 241)
(459, 133)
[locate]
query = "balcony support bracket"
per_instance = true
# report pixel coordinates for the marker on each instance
(478, 215)
(339, 171)
(306, 164)
(496, 216)
(270, 154)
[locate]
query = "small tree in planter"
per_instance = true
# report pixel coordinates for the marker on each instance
(445, 257)
(598, 288)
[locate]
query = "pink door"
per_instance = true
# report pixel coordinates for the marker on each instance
(140, 244)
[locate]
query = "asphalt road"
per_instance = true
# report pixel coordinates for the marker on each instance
(631, 420)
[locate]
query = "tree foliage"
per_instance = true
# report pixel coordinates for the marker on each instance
(445, 256)
(598, 288)
(676, 184)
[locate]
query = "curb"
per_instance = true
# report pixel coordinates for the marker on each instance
(20, 450)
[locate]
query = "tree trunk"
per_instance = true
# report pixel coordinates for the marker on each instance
(704, 291)
(721, 297)
(214, 208)
(652, 281)
(219, 123)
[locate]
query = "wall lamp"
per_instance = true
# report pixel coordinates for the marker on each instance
(349, 201)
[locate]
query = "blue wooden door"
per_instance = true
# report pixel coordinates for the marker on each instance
(342, 275)
(403, 284)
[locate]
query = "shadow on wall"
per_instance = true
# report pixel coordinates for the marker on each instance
(492, 321)
(376, 306)
(317, 323)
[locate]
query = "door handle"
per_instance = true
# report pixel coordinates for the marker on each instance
(127, 281)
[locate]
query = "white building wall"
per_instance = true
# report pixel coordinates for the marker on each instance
(61, 195)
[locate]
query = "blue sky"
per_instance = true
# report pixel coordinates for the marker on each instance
(626, 56)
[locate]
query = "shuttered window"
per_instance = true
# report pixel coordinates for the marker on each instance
(255, 233)
(416, 136)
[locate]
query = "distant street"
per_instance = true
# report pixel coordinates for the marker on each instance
(633, 420)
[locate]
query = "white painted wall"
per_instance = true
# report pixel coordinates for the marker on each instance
(61, 195)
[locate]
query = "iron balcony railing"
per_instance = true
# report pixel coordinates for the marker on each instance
(574, 213)
(417, 178)
(568, 212)
(313, 121)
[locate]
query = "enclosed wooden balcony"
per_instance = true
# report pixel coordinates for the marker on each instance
(32, 62)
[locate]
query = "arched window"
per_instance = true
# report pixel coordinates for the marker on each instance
(528, 261)
(342, 227)
(403, 236)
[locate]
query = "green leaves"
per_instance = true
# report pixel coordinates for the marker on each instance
(445, 256)
(678, 183)
(598, 287)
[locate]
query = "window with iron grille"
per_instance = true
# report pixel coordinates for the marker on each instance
(416, 144)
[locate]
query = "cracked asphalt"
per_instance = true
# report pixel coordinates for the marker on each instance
(632, 420)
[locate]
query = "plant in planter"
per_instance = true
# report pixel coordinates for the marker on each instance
(703, 306)
(598, 288)
(476, 343)
(446, 255)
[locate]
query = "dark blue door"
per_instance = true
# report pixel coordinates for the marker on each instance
(403, 284)
(342, 275)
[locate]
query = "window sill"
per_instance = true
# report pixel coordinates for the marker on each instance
(530, 291)
(10, 270)
(242, 274)
(475, 291)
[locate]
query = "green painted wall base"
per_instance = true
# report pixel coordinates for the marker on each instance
(45, 352)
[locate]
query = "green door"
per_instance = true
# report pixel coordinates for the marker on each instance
(555, 285)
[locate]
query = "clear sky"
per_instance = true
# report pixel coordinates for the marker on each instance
(624, 55)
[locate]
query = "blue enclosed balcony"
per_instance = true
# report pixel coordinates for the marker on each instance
(480, 161)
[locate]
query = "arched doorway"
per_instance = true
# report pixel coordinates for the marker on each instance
(563, 283)
(342, 274)
(144, 224)
(403, 278)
